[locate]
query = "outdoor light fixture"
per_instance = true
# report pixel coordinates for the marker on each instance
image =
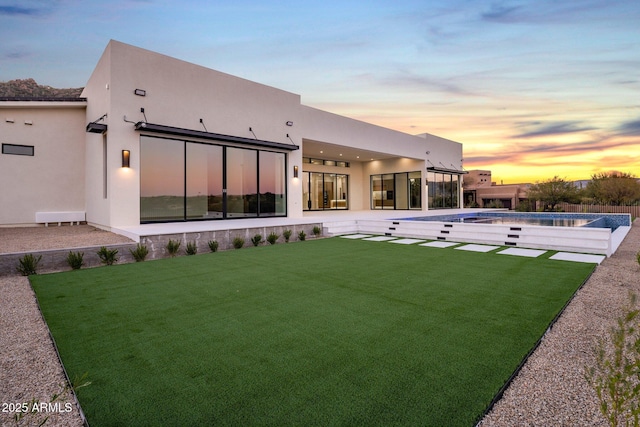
(289, 123)
(126, 154)
(295, 171)
(140, 92)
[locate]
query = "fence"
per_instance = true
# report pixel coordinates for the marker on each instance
(633, 210)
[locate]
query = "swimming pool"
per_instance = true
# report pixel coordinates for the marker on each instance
(546, 219)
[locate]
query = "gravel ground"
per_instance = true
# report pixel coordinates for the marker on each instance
(549, 390)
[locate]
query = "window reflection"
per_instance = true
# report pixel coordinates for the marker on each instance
(272, 184)
(242, 183)
(186, 181)
(443, 190)
(161, 179)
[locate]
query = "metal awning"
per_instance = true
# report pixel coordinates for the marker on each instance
(94, 127)
(191, 133)
(445, 170)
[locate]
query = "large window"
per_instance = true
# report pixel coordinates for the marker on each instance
(204, 181)
(272, 184)
(443, 190)
(325, 191)
(183, 180)
(161, 180)
(396, 191)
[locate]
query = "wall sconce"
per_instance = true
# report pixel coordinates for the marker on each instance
(295, 171)
(289, 123)
(126, 154)
(140, 92)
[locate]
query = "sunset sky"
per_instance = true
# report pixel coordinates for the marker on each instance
(532, 89)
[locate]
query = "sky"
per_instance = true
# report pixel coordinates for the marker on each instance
(532, 89)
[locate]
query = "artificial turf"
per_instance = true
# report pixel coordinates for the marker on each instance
(324, 332)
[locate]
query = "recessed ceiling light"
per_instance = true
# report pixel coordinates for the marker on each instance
(340, 154)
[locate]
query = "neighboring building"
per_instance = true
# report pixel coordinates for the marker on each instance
(157, 139)
(480, 191)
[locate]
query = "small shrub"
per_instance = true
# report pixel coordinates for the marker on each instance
(28, 264)
(317, 231)
(616, 374)
(192, 248)
(302, 236)
(172, 247)
(213, 245)
(139, 253)
(238, 242)
(256, 240)
(75, 260)
(272, 238)
(287, 235)
(107, 256)
(638, 258)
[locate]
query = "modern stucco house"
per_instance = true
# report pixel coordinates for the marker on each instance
(157, 139)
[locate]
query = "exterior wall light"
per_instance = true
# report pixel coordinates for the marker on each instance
(295, 171)
(126, 154)
(140, 92)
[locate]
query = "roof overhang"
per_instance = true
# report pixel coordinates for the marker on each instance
(94, 127)
(191, 133)
(445, 170)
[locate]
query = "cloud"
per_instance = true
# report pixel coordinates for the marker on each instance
(17, 10)
(15, 55)
(417, 82)
(631, 128)
(559, 128)
(500, 13)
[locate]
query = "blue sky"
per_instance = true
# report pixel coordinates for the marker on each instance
(533, 89)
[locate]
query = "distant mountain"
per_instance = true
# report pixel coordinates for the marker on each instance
(29, 88)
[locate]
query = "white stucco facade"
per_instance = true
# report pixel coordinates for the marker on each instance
(76, 170)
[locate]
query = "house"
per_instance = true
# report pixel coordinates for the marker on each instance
(481, 191)
(154, 139)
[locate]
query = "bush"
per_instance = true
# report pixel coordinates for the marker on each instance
(107, 256)
(256, 240)
(213, 246)
(75, 260)
(192, 248)
(287, 235)
(28, 264)
(638, 258)
(238, 242)
(139, 253)
(317, 230)
(616, 374)
(273, 238)
(172, 247)
(302, 236)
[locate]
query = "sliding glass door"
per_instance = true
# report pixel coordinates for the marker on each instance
(401, 190)
(183, 181)
(325, 191)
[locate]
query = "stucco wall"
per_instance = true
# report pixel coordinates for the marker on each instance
(53, 179)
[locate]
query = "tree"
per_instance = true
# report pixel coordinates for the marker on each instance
(553, 191)
(614, 188)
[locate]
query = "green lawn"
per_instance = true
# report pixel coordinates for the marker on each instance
(323, 332)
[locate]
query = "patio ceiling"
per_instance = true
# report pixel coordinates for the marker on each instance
(326, 151)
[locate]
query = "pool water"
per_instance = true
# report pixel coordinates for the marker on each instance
(549, 219)
(549, 222)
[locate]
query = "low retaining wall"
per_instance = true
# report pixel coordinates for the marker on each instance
(572, 239)
(157, 243)
(56, 259)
